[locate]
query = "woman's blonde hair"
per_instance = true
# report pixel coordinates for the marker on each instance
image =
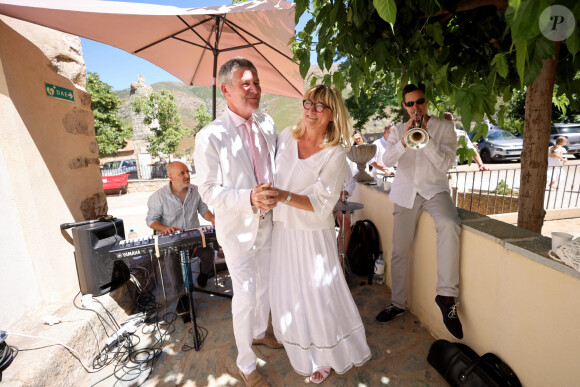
(337, 132)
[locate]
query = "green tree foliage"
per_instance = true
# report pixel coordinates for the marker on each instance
(202, 117)
(161, 115)
(366, 106)
(111, 131)
(474, 52)
(471, 52)
(561, 109)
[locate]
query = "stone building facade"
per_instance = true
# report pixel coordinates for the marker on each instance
(49, 166)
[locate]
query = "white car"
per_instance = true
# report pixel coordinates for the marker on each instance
(499, 145)
(119, 167)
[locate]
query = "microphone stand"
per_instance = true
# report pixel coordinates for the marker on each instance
(188, 283)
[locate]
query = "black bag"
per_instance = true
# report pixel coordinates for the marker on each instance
(363, 248)
(461, 366)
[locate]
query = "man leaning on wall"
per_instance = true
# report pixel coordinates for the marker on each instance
(421, 184)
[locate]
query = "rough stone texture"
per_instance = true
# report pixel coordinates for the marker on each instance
(94, 147)
(94, 206)
(79, 121)
(140, 130)
(63, 50)
(84, 98)
(140, 87)
(82, 162)
(146, 185)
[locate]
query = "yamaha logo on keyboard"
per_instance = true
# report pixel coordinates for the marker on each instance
(130, 253)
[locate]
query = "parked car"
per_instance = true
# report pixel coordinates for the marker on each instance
(119, 167)
(499, 145)
(571, 132)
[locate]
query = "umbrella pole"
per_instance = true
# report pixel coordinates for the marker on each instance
(213, 94)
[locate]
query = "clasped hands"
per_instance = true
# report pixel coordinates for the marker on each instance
(265, 197)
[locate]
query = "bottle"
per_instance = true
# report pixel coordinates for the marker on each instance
(379, 269)
(132, 235)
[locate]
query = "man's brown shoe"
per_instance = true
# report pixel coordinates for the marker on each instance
(254, 379)
(268, 340)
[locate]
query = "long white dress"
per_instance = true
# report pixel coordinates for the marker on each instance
(313, 312)
(555, 171)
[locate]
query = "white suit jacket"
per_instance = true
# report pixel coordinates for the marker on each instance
(226, 178)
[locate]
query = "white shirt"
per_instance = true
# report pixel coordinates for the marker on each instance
(424, 171)
(262, 146)
(381, 144)
(349, 183)
(462, 133)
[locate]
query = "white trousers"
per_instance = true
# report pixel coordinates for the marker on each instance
(250, 273)
(448, 227)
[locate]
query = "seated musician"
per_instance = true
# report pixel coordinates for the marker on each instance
(176, 207)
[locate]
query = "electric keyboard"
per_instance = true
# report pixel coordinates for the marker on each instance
(174, 242)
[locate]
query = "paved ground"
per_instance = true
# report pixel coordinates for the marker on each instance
(399, 349)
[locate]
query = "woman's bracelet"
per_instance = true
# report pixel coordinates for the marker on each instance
(287, 198)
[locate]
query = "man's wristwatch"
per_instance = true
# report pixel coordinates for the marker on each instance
(287, 198)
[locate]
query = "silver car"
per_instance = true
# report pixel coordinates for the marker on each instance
(119, 167)
(500, 145)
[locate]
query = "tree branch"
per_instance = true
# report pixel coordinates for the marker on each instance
(469, 5)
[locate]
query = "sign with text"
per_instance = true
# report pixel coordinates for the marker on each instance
(59, 92)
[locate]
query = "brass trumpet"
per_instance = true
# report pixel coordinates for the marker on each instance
(416, 138)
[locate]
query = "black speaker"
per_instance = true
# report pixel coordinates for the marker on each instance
(98, 274)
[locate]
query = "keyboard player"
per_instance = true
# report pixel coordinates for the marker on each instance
(176, 207)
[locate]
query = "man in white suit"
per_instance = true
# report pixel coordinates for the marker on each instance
(234, 161)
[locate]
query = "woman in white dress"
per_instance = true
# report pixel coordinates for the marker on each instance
(556, 161)
(313, 313)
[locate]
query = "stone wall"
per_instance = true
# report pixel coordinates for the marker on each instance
(146, 185)
(49, 166)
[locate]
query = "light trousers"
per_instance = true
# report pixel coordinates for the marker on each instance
(250, 274)
(448, 227)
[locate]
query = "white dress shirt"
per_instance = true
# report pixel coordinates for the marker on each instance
(381, 144)
(261, 145)
(424, 171)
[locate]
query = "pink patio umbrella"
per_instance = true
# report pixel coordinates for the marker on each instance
(190, 43)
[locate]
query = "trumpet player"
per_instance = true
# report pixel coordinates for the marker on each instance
(423, 158)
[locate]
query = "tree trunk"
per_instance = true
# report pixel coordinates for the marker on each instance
(536, 142)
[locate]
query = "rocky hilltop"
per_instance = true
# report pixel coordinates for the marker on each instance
(284, 110)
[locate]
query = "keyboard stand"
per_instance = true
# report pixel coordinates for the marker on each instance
(190, 288)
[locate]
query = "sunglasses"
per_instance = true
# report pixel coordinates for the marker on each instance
(420, 101)
(318, 106)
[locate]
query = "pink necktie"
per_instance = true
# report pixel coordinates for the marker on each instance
(259, 171)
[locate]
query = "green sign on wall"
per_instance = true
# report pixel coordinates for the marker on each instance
(59, 92)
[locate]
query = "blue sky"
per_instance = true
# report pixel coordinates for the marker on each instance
(119, 68)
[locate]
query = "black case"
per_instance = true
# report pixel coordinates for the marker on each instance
(461, 366)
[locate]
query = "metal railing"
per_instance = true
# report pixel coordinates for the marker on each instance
(142, 171)
(497, 191)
